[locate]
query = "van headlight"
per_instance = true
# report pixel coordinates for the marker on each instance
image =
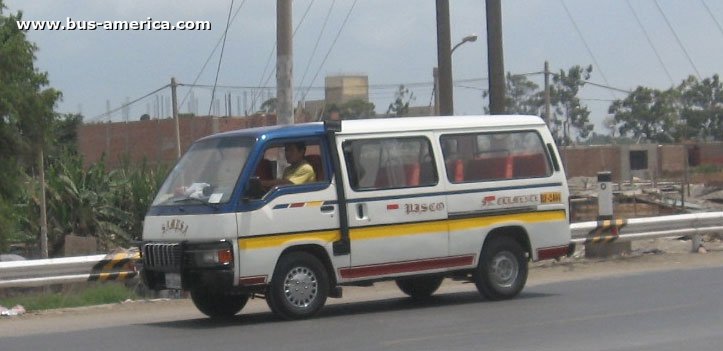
(211, 255)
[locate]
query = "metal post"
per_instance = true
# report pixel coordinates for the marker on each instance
(174, 107)
(284, 63)
(605, 195)
(495, 57)
(43, 207)
(444, 59)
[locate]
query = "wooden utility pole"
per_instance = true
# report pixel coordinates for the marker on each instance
(174, 106)
(548, 117)
(495, 57)
(43, 207)
(444, 59)
(284, 63)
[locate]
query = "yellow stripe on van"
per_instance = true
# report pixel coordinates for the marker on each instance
(387, 231)
(394, 230)
(279, 240)
(530, 217)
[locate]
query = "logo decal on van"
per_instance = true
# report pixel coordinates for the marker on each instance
(510, 200)
(422, 208)
(176, 225)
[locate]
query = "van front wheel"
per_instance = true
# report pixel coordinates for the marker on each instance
(299, 287)
(419, 288)
(218, 305)
(502, 270)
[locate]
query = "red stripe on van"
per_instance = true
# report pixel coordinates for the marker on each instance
(547, 253)
(405, 267)
(392, 207)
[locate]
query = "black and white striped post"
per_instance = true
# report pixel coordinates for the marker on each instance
(602, 241)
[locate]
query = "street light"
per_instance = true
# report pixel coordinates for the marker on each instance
(435, 72)
(469, 38)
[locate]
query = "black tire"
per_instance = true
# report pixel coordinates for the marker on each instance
(502, 270)
(218, 305)
(419, 288)
(299, 287)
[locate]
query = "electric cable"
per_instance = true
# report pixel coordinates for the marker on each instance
(680, 43)
(220, 58)
(650, 42)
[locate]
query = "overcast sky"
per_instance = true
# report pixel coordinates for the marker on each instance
(393, 42)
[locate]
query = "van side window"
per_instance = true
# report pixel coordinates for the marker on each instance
(390, 163)
(478, 157)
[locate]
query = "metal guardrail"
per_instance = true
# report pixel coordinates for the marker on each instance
(120, 266)
(32, 273)
(606, 231)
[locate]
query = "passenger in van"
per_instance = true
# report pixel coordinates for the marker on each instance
(299, 170)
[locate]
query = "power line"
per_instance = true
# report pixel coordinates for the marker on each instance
(589, 51)
(211, 54)
(720, 29)
(316, 45)
(108, 113)
(220, 57)
(331, 47)
(680, 43)
(647, 37)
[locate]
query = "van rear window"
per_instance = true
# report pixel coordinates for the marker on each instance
(478, 157)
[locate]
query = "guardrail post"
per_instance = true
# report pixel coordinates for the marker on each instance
(607, 231)
(697, 242)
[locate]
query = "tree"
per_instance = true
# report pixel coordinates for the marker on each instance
(702, 107)
(269, 106)
(400, 106)
(26, 115)
(522, 96)
(357, 109)
(568, 112)
(647, 113)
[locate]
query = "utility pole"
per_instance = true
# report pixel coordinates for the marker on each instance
(43, 206)
(435, 76)
(174, 107)
(284, 63)
(495, 57)
(444, 59)
(548, 117)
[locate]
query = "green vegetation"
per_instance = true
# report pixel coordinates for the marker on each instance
(74, 296)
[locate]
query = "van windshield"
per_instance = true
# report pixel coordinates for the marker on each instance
(207, 173)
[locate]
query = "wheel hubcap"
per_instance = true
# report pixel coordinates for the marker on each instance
(504, 269)
(300, 287)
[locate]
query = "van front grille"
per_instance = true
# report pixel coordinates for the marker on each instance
(164, 257)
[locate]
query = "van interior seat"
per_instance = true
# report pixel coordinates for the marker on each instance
(263, 170)
(455, 170)
(488, 168)
(316, 164)
(529, 165)
(398, 176)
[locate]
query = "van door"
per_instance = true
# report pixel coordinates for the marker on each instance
(396, 209)
(289, 215)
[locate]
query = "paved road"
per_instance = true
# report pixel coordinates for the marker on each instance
(672, 310)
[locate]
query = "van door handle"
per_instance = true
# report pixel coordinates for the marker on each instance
(327, 208)
(360, 211)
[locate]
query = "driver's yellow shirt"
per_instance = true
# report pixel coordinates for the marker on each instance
(300, 174)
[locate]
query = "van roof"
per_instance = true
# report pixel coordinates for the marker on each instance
(381, 125)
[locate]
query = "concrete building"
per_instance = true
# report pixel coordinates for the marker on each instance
(344, 88)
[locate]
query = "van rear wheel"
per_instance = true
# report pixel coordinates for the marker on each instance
(299, 287)
(218, 305)
(502, 270)
(419, 288)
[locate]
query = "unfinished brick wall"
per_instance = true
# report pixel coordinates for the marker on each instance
(587, 161)
(154, 140)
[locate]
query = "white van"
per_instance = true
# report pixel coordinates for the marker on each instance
(413, 200)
